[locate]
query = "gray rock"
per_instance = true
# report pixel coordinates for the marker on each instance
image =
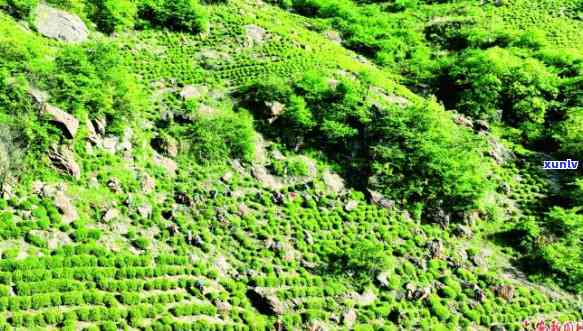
(500, 153)
(100, 124)
(114, 185)
(38, 96)
(193, 91)
(463, 231)
(481, 125)
(63, 158)
(505, 292)
(275, 110)
(58, 24)
(110, 215)
(435, 249)
(334, 183)
(66, 120)
(463, 121)
(65, 206)
(265, 303)
(254, 35)
(148, 183)
(349, 318)
(365, 299)
(168, 164)
(166, 145)
(351, 205)
(382, 278)
(110, 144)
(333, 36)
(378, 199)
(145, 210)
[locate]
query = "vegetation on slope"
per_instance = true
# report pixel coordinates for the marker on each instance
(227, 166)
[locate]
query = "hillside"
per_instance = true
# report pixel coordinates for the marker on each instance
(290, 164)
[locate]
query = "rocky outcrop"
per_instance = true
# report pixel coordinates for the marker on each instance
(333, 36)
(64, 159)
(110, 214)
(505, 292)
(254, 35)
(165, 145)
(65, 207)
(67, 121)
(365, 299)
(349, 318)
(148, 183)
(334, 183)
(57, 24)
(378, 199)
(166, 163)
(62, 201)
(193, 91)
(265, 303)
(500, 153)
(275, 109)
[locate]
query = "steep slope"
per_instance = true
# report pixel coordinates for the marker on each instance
(156, 180)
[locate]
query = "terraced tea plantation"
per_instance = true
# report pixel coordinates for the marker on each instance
(290, 165)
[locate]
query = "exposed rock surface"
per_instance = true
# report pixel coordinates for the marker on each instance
(380, 200)
(66, 207)
(500, 153)
(193, 91)
(58, 24)
(349, 318)
(333, 182)
(333, 36)
(69, 123)
(275, 110)
(168, 164)
(63, 158)
(265, 303)
(254, 35)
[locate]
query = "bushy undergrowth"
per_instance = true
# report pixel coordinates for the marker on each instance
(223, 137)
(182, 241)
(414, 154)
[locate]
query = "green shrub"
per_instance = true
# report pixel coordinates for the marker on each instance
(20, 9)
(114, 15)
(219, 138)
(494, 80)
(179, 15)
(438, 309)
(141, 243)
(421, 156)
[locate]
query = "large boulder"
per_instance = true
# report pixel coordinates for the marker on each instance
(379, 199)
(254, 35)
(193, 91)
(334, 183)
(265, 303)
(67, 121)
(57, 24)
(63, 158)
(66, 207)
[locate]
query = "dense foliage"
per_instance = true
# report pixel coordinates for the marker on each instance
(226, 165)
(415, 154)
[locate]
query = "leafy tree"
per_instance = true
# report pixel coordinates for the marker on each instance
(179, 15)
(114, 15)
(225, 136)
